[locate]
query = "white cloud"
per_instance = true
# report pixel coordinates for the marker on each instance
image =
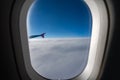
(59, 58)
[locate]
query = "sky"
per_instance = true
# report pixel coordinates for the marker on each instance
(64, 52)
(59, 18)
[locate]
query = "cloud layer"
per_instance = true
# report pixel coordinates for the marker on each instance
(59, 58)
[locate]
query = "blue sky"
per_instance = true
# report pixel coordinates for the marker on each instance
(59, 18)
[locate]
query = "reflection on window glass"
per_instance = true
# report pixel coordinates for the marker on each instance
(59, 33)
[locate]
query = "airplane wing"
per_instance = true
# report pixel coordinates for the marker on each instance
(33, 36)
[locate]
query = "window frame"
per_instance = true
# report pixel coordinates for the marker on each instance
(97, 46)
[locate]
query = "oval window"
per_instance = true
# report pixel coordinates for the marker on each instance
(59, 35)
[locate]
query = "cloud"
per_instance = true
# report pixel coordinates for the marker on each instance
(59, 58)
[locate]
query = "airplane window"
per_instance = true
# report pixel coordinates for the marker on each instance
(59, 36)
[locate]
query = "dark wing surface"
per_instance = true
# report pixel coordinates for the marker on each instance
(34, 36)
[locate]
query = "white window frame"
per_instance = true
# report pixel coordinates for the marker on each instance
(97, 45)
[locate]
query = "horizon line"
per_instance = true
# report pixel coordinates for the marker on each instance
(59, 38)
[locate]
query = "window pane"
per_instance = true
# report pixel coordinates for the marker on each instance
(59, 33)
